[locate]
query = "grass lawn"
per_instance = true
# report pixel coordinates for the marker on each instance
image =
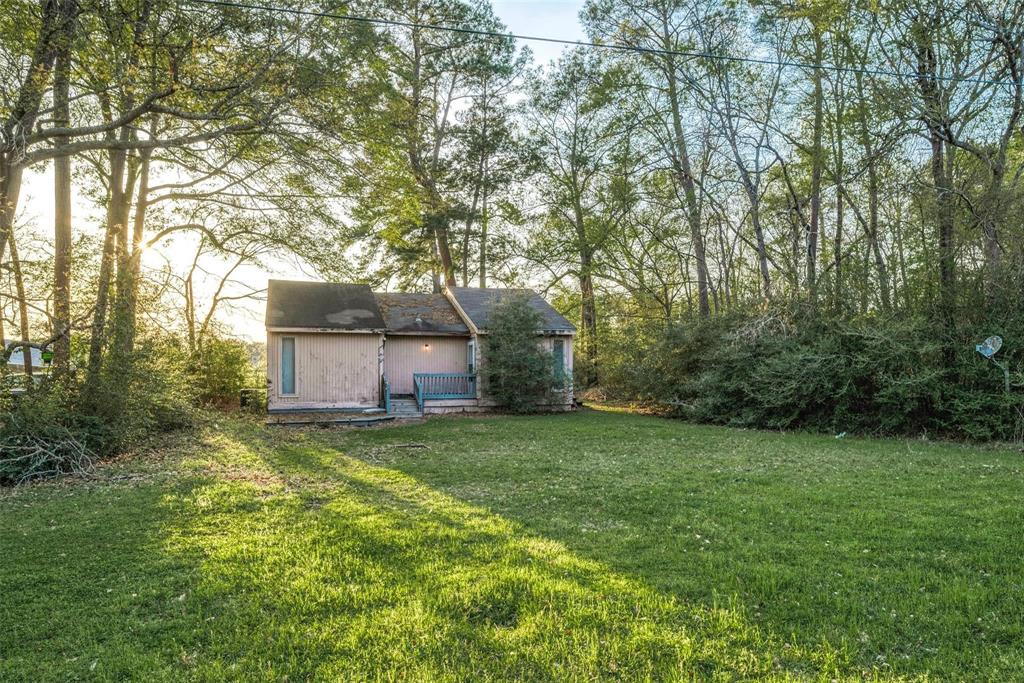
(595, 545)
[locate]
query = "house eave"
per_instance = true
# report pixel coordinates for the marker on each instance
(560, 333)
(426, 333)
(324, 330)
(462, 314)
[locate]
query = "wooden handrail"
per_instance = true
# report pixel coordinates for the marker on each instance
(443, 385)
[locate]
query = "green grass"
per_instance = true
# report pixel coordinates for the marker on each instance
(573, 547)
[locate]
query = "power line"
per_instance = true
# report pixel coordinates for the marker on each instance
(602, 46)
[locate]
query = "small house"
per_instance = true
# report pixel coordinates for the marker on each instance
(343, 347)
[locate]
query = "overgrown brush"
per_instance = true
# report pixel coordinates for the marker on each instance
(63, 426)
(789, 369)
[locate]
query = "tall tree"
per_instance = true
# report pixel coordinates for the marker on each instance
(576, 133)
(408, 161)
(662, 30)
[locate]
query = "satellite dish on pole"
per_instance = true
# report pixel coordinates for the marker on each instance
(990, 346)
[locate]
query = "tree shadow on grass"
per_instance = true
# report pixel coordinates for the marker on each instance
(901, 561)
(88, 589)
(363, 572)
(270, 557)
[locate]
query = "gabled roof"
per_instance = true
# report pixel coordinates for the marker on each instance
(477, 304)
(341, 307)
(322, 306)
(426, 313)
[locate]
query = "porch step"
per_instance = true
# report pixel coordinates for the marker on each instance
(405, 408)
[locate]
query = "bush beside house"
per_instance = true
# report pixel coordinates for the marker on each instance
(519, 371)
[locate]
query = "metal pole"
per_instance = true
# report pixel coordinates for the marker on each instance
(1005, 367)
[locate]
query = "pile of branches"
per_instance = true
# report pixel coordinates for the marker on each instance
(25, 455)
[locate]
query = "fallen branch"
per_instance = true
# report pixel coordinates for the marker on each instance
(26, 456)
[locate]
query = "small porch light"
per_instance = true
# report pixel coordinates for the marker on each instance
(426, 347)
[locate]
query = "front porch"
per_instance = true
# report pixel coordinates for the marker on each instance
(432, 392)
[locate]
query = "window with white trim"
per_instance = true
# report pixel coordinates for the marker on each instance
(558, 356)
(287, 366)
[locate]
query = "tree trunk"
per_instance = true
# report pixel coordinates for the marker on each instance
(62, 238)
(130, 306)
(444, 252)
(796, 240)
(22, 117)
(121, 327)
(750, 188)
(840, 180)
(190, 302)
(588, 314)
(837, 255)
(469, 221)
(484, 217)
(10, 184)
(683, 168)
(755, 221)
(684, 176)
(884, 285)
(902, 262)
(941, 167)
(866, 288)
(434, 273)
(817, 164)
(115, 199)
(588, 305)
(989, 227)
(23, 321)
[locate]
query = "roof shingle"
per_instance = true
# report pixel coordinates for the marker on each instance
(349, 307)
(413, 312)
(478, 304)
(322, 305)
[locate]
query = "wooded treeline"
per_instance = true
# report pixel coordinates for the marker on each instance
(772, 172)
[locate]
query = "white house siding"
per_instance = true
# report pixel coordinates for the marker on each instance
(406, 354)
(332, 370)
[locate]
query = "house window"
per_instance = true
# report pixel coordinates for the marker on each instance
(287, 366)
(471, 356)
(558, 355)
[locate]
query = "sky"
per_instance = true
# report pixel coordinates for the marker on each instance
(541, 18)
(544, 19)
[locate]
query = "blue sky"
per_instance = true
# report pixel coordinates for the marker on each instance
(543, 18)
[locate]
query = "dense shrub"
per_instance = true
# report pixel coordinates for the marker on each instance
(223, 368)
(149, 392)
(519, 371)
(64, 426)
(786, 369)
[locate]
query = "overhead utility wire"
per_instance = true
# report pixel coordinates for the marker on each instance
(584, 43)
